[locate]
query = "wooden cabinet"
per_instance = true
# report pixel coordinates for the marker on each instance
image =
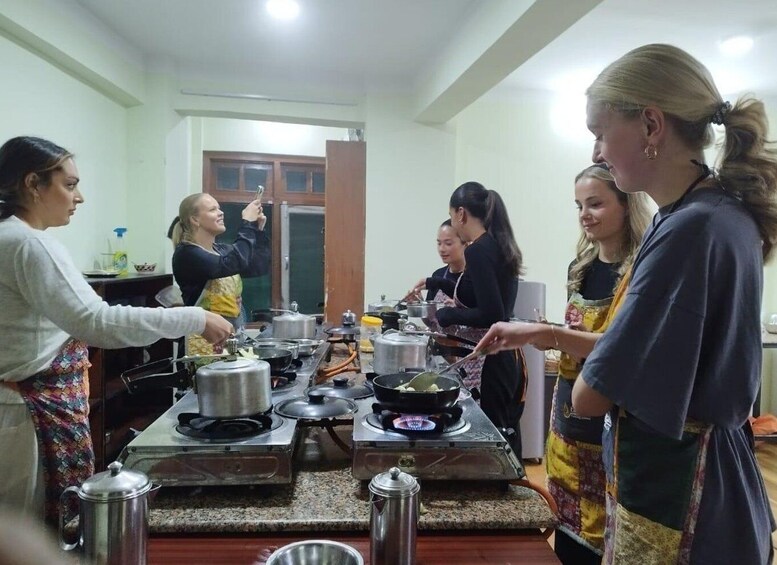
(114, 413)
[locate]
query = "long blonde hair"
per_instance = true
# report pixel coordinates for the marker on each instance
(675, 82)
(182, 230)
(638, 215)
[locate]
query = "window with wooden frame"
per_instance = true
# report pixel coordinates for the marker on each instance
(292, 183)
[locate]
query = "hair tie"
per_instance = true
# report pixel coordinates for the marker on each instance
(719, 116)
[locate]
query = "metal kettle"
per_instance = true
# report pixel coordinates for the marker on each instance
(113, 516)
(393, 518)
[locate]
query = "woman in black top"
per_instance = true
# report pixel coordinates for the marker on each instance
(485, 294)
(209, 273)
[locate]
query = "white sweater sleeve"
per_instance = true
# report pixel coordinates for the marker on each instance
(50, 282)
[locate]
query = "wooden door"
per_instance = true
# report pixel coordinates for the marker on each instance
(344, 225)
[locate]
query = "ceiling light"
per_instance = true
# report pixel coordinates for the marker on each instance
(283, 9)
(736, 46)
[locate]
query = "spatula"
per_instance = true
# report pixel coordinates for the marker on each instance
(424, 381)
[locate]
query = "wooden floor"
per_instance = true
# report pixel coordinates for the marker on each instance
(767, 458)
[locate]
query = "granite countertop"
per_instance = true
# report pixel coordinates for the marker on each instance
(323, 496)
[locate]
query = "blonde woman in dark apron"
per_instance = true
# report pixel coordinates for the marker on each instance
(611, 227)
(50, 314)
(208, 273)
(485, 294)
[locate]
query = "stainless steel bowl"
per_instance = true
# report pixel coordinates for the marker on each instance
(316, 552)
(307, 346)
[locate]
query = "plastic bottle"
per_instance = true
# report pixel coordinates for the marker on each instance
(120, 263)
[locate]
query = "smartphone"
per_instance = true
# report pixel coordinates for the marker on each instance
(259, 192)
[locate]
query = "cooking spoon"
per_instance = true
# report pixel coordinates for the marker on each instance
(424, 381)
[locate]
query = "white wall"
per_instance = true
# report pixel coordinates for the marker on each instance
(509, 146)
(39, 99)
(410, 176)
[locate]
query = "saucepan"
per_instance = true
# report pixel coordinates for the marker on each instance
(425, 309)
(393, 398)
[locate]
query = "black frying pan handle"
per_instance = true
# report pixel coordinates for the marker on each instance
(155, 376)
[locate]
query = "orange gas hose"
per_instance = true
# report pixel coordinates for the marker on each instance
(330, 371)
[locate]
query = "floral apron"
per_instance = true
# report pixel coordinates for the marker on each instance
(574, 447)
(58, 399)
(220, 296)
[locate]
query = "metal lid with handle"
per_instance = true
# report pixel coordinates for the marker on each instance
(394, 483)
(316, 406)
(116, 483)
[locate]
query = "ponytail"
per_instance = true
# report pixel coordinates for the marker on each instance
(497, 222)
(748, 168)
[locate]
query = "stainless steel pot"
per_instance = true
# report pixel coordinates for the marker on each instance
(396, 351)
(113, 516)
(384, 305)
(393, 518)
(318, 552)
(234, 388)
(293, 325)
(422, 309)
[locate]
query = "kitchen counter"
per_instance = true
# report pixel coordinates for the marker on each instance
(324, 497)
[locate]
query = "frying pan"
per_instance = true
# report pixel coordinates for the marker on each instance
(279, 359)
(387, 394)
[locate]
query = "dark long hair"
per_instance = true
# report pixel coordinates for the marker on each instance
(19, 157)
(487, 206)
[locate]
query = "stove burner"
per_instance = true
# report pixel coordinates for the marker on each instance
(446, 420)
(283, 381)
(296, 363)
(413, 423)
(198, 427)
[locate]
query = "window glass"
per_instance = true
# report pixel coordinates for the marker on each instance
(296, 181)
(227, 177)
(318, 182)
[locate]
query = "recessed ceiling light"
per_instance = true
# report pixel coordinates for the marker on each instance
(283, 9)
(736, 46)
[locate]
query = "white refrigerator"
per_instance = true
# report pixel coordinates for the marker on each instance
(530, 303)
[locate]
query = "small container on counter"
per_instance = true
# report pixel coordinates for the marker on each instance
(371, 327)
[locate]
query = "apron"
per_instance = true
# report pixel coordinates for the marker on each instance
(473, 368)
(574, 447)
(58, 399)
(220, 296)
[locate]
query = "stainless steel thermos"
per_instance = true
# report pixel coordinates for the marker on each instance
(113, 516)
(393, 518)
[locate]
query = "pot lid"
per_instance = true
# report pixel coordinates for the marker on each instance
(394, 483)
(293, 314)
(342, 387)
(115, 484)
(396, 338)
(383, 304)
(343, 330)
(240, 365)
(316, 406)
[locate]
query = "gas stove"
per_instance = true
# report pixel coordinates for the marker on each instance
(256, 450)
(436, 447)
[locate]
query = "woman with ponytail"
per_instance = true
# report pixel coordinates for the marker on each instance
(678, 370)
(209, 272)
(483, 295)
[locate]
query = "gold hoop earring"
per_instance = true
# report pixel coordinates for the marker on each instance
(651, 152)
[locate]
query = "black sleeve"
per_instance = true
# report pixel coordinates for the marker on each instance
(489, 309)
(435, 283)
(194, 265)
(260, 259)
(432, 284)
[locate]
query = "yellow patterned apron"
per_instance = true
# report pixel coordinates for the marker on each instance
(220, 296)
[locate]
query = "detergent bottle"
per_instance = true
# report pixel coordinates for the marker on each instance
(120, 263)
